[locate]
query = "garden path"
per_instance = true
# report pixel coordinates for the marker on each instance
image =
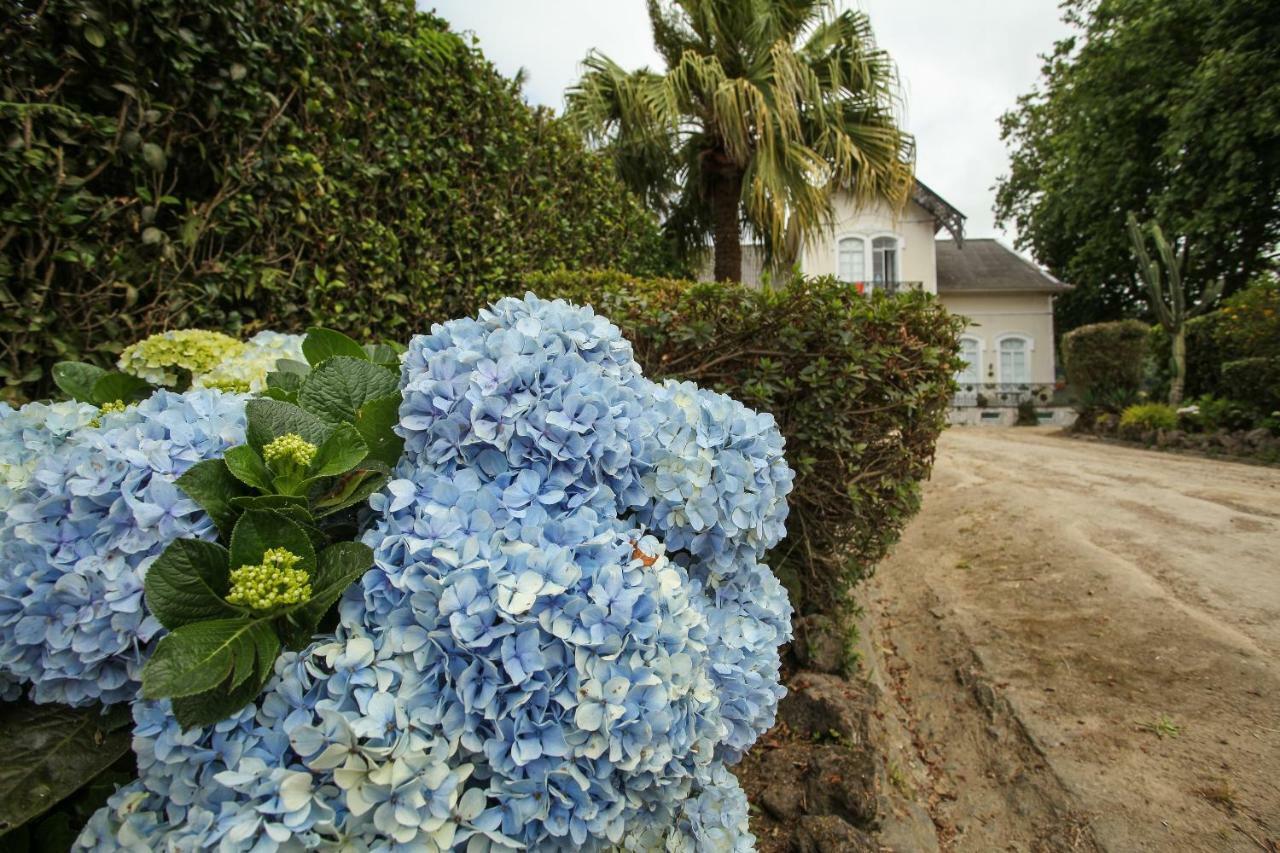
(1082, 644)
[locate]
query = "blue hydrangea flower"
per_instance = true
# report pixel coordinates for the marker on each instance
(566, 634)
(99, 506)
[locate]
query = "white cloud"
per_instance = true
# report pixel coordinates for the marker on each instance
(962, 62)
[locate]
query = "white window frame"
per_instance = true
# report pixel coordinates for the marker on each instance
(977, 364)
(897, 254)
(868, 240)
(866, 256)
(1030, 343)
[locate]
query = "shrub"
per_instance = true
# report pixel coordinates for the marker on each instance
(1104, 362)
(241, 165)
(1206, 353)
(1255, 381)
(1148, 416)
(1250, 320)
(859, 386)
(1210, 414)
(1027, 413)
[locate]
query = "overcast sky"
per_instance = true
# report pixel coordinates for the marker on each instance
(963, 63)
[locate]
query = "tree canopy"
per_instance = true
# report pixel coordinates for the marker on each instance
(764, 108)
(1167, 108)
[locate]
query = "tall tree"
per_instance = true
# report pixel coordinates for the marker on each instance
(1169, 108)
(765, 107)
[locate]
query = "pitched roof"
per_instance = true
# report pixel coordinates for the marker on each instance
(987, 265)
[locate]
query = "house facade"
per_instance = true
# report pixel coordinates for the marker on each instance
(1008, 345)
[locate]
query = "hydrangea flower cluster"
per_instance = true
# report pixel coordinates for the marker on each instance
(566, 634)
(213, 359)
(98, 506)
(32, 433)
(272, 583)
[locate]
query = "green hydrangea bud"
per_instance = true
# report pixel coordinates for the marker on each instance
(228, 384)
(273, 583)
(158, 358)
(114, 407)
(289, 449)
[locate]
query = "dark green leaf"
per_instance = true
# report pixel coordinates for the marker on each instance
(288, 382)
(110, 387)
(188, 583)
(49, 751)
(254, 660)
(246, 465)
(270, 419)
(384, 355)
(337, 389)
(289, 365)
(76, 379)
(341, 452)
(276, 502)
(321, 344)
(374, 422)
(339, 566)
(261, 529)
(211, 484)
(196, 658)
(350, 489)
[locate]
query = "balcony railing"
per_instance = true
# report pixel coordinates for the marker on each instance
(890, 287)
(989, 395)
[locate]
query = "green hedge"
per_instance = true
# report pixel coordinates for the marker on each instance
(1105, 362)
(1255, 381)
(239, 164)
(1207, 351)
(860, 387)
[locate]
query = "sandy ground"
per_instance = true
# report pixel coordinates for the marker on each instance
(1079, 643)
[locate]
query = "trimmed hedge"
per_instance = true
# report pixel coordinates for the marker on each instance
(242, 164)
(1255, 381)
(860, 388)
(1105, 361)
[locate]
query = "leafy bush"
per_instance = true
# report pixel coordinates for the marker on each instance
(1250, 320)
(1256, 381)
(242, 165)
(1148, 416)
(1027, 414)
(561, 632)
(1104, 362)
(1206, 353)
(859, 386)
(1210, 414)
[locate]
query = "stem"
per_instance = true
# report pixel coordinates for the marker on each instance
(726, 195)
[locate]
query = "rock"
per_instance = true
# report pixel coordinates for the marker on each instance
(842, 781)
(784, 800)
(830, 834)
(818, 644)
(1258, 438)
(1169, 438)
(819, 705)
(907, 828)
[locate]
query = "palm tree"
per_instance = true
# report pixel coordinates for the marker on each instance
(766, 106)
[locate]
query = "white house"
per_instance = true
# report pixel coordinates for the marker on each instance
(1009, 343)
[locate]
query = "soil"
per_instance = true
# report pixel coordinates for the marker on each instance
(1077, 649)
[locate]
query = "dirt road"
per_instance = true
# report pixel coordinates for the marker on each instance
(1081, 647)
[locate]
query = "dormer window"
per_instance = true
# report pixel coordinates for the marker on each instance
(884, 260)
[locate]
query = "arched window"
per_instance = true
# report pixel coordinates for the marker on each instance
(884, 260)
(1015, 359)
(971, 352)
(851, 263)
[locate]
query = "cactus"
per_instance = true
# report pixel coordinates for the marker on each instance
(1168, 298)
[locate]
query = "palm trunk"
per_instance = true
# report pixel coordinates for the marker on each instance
(726, 196)
(1179, 381)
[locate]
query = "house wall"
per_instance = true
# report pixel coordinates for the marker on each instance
(914, 228)
(992, 315)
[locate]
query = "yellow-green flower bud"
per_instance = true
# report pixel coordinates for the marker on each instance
(273, 583)
(114, 407)
(290, 449)
(227, 384)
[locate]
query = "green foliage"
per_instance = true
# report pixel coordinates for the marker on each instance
(860, 388)
(1027, 414)
(1255, 381)
(284, 503)
(1206, 354)
(1249, 322)
(238, 165)
(1163, 107)
(89, 383)
(1104, 362)
(1210, 414)
(1148, 416)
(765, 107)
(49, 752)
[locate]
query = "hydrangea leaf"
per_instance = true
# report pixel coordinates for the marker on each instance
(339, 566)
(270, 419)
(341, 452)
(255, 659)
(348, 490)
(321, 344)
(384, 354)
(212, 485)
(246, 465)
(76, 379)
(261, 529)
(291, 365)
(287, 381)
(337, 389)
(375, 421)
(49, 751)
(110, 387)
(188, 582)
(196, 658)
(277, 502)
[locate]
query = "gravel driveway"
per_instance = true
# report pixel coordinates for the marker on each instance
(1081, 641)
